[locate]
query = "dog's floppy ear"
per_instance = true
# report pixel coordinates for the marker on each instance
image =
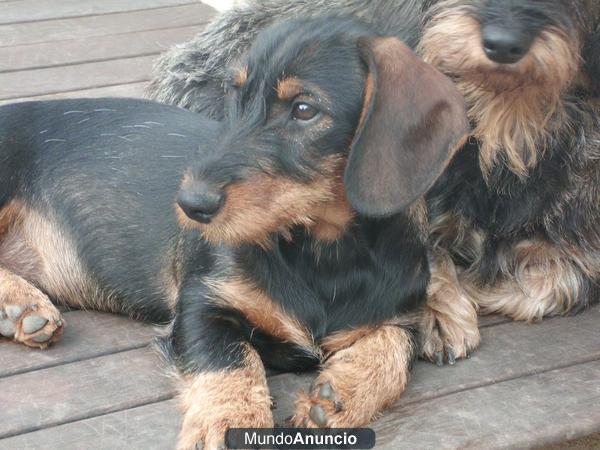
(412, 122)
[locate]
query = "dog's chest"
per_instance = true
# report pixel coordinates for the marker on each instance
(503, 205)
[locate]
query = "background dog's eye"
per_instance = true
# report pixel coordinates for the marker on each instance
(303, 111)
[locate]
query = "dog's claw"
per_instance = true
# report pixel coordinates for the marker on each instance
(318, 415)
(451, 357)
(199, 446)
(338, 406)
(31, 324)
(222, 446)
(14, 312)
(439, 359)
(326, 392)
(7, 328)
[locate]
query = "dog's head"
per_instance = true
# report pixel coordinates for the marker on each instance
(504, 44)
(513, 61)
(325, 119)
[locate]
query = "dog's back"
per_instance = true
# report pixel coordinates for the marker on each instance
(104, 171)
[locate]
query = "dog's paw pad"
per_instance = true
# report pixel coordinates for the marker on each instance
(319, 408)
(14, 312)
(31, 324)
(7, 328)
(35, 325)
(318, 415)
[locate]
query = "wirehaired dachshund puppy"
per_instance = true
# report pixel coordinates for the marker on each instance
(515, 219)
(293, 235)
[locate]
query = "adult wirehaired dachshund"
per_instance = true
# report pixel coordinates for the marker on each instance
(515, 219)
(293, 235)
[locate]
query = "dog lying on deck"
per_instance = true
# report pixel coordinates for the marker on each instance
(295, 239)
(514, 221)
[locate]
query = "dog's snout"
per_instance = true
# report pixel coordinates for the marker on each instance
(505, 45)
(200, 201)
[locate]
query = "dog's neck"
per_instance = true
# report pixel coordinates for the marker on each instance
(512, 127)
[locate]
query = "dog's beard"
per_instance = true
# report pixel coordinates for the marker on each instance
(511, 106)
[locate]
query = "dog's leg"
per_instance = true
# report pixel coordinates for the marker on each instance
(539, 280)
(449, 326)
(26, 314)
(223, 378)
(367, 371)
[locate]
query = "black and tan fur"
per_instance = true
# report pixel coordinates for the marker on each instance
(515, 219)
(293, 235)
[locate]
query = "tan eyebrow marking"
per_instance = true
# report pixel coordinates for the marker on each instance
(288, 88)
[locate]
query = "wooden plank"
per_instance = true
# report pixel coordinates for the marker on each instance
(136, 90)
(492, 321)
(530, 409)
(35, 56)
(83, 76)
(80, 390)
(94, 26)
(524, 348)
(508, 351)
(34, 10)
(146, 427)
(522, 413)
(86, 335)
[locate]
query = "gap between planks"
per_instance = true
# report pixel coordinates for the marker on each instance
(31, 11)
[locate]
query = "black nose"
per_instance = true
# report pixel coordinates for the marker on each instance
(504, 45)
(200, 201)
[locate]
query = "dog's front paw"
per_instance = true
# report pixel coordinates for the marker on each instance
(322, 407)
(355, 386)
(447, 338)
(28, 316)
(215, 402)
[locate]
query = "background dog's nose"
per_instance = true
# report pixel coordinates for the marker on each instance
(504, 45)
(200, 202)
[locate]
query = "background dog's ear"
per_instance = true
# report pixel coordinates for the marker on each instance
(413, 120)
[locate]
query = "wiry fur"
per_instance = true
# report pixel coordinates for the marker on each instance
(509, 106)
(514, 219)
(193, 74)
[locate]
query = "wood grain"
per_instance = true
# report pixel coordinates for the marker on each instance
(77, 51)
(33, 10)
(87, 335)
(83, 76)
(517, 414)
(104, 25)
(153, 426)
(80, 390)
(136, 90)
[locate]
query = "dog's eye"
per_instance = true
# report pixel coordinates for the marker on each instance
(303, 111)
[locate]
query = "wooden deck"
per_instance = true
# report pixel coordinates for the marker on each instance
(101, 386)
